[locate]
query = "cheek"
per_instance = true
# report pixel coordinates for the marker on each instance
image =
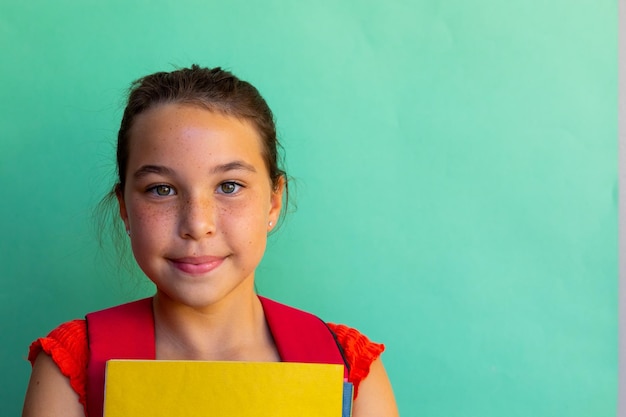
(141, 214)
(148, 222)
(245, 218)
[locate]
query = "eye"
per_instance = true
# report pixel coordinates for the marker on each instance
(228, 187)
(162, 190)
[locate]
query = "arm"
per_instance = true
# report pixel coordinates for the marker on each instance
(375, 397)
(49, 392)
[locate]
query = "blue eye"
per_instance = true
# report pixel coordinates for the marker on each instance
(162, 190)
(229, 187)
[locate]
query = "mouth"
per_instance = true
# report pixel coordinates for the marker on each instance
(197, 264)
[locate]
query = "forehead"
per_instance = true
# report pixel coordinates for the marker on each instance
(187, 134)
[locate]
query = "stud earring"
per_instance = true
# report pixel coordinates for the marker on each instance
(128, 232)
(271, 224)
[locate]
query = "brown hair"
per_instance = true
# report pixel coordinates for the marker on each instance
(211, 88)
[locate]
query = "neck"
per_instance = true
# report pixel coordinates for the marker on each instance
(231, 330)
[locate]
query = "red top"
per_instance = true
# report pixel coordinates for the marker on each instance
(68, 347)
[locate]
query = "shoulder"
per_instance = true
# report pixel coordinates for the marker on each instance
(360, 352)
(67, 346)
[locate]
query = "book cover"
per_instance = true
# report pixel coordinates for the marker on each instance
(136, 388)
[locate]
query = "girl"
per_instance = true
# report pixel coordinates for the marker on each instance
(199, 188)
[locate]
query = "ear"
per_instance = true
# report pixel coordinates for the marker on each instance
(119, 194)
(276, 202)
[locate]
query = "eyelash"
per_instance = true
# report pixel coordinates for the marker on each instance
(154, 188)
(236, 185)
(170, 190)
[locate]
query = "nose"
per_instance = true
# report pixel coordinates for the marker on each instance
(197, 217)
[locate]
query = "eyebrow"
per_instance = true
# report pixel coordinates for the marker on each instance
(233, 166)
(152, 169)
(165, 171)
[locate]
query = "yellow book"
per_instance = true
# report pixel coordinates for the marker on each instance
(137, 388)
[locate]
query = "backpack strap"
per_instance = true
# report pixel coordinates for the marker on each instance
(301, 336)
(127, 332)
(122, 332)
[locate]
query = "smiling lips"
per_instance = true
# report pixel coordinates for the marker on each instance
(197, 265)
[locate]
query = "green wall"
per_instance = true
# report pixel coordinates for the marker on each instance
(455, 175)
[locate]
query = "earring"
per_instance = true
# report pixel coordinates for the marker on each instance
(271, 224)
(128, 232)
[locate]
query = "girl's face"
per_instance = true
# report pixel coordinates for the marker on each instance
(198, 202)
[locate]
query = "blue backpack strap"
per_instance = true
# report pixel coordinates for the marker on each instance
(127, 332)
(122, 332)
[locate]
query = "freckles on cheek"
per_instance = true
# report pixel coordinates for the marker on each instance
(148, 216)
(244, 219)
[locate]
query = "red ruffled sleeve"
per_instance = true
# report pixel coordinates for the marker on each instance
(360, 352)
(67, 346)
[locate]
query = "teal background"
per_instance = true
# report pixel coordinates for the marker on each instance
(454, 166)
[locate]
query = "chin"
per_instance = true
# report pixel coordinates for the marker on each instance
(200, 299)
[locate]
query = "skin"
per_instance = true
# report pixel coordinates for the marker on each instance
(198, 203)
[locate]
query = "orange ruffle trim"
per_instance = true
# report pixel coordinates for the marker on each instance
(67, 346)
(359, 350)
